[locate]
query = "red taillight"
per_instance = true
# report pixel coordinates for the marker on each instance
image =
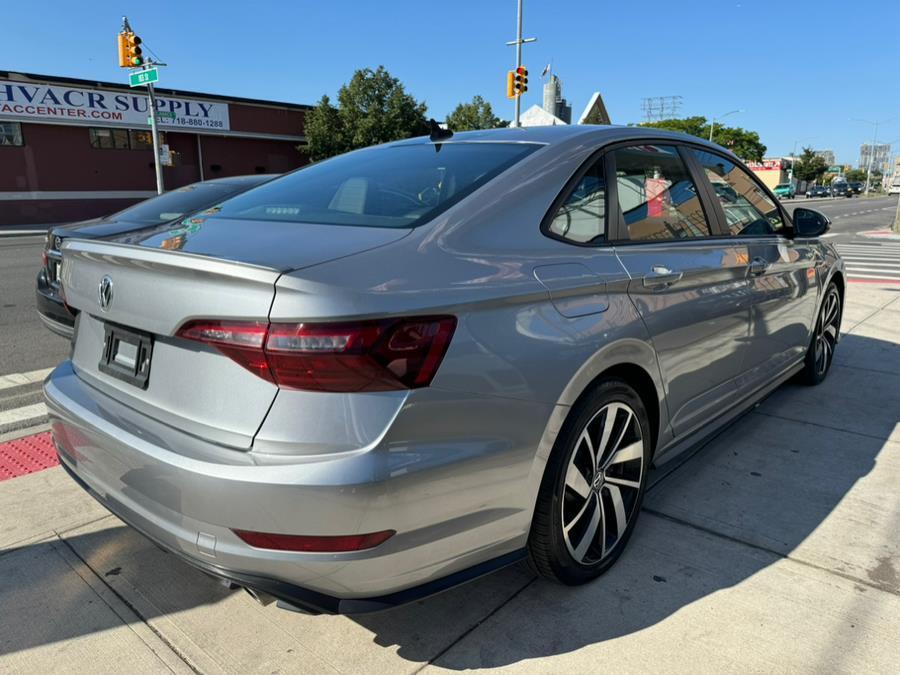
(241, 341)
(312, 544)
(337, 357)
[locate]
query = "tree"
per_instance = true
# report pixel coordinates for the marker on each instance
(745, 144)
(475, 115)
(855, 175)
(372, 108)
(324, 131)
(810, 167)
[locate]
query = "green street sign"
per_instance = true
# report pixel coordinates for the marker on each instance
(163, 116)
(142, 77)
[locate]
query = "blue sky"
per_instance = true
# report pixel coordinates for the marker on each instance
(800, 70)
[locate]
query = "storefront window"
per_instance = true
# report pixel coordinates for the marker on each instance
(11, 133)
(109, 138)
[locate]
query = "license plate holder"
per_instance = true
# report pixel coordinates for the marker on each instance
(127, 354)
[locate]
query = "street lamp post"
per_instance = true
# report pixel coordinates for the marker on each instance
(712, 125)
(875, 124)
(518, 42)
(794, 155)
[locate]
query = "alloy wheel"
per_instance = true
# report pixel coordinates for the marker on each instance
(603, 483)
(827, 332)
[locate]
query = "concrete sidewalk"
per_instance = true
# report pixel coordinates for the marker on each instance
(773, 548)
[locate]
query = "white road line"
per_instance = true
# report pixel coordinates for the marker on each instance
(853, 268)
(18, 379)
(874, 261)
(873, 276)
(26, 413)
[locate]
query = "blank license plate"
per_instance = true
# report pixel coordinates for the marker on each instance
(126, 355)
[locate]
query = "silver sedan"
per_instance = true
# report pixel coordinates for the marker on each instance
(401, 368)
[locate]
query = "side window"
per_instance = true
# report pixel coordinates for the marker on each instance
(748, 209)
(582, 216)
(657, 197)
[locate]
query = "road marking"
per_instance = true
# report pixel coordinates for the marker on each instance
(18, 379)
(871, 261)
(26, 414)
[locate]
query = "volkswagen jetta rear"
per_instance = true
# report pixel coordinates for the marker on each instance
(230, 399)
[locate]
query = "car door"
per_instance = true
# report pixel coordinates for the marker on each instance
(688, 281)
(780, 270)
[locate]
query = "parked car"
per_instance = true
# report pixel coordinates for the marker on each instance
(785, 191)
(817, 191)
(398, 369)
(856, 187)
(164, 208)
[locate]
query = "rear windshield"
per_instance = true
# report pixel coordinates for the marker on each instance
(177, 203)
(389, 186)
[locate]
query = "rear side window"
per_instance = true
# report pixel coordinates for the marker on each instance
(748, 209)
(657, 198)
(581, 217)
(387, 186)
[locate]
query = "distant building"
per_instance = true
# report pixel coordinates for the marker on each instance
(595, 111)
(771, 171)
(827, 155)
(879, 155)
(554, 103)
(536, 116)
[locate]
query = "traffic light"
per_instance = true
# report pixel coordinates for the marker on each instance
(510, 84)
(521, 81)
(130, 54)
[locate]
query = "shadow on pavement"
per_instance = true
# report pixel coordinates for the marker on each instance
(764, 489)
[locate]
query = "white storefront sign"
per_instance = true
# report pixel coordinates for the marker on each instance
(98, 107)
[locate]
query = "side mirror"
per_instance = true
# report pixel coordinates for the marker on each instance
(810, 223)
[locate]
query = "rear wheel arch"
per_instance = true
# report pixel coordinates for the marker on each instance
(838, 279)
(640, 380)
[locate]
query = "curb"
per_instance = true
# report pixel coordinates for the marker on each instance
(888, 235)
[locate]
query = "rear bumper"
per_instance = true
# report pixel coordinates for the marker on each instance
(306, 599)
(51, 309)
(188, 495)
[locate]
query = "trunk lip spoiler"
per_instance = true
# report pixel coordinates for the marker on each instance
(203, 263)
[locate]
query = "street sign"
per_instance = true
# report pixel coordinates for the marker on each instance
(165, 155)
(162, 116)
(142, 77)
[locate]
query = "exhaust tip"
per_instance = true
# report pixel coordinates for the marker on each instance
(261, 597)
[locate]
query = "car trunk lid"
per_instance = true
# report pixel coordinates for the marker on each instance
(277, 245)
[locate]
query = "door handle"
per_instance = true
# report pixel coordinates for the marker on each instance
(661, 276)
(758, 266)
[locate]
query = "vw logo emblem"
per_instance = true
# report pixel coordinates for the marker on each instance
(106, 292)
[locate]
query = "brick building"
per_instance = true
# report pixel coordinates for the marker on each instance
(74, 149)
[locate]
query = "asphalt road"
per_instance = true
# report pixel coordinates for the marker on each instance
(25, 345)
(850, 216)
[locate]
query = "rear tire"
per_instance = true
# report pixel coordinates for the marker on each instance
(593, 486)
(820, 354)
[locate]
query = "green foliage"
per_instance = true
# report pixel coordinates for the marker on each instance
(809, 167)
(745, 144)
(372, 108)
(855, 176)
(475, 115)
(324, 131)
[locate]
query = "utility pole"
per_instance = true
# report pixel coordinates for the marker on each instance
(151, 110)
(518, 42)
(131, 56)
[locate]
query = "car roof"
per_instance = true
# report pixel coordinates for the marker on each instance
(552, 135)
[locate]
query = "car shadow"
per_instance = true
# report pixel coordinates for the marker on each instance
(764, 489)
